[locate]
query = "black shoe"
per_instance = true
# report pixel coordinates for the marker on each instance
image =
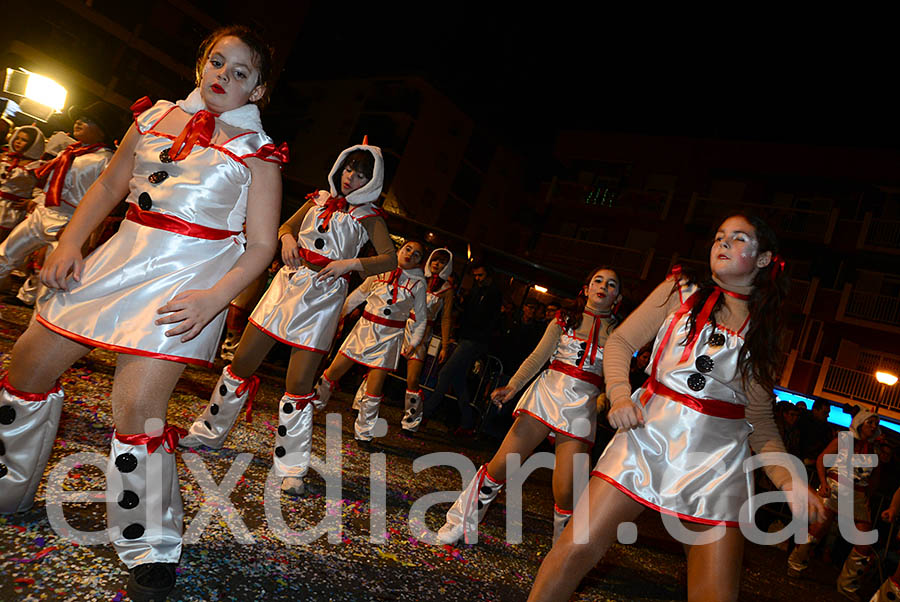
(365, 445)
(151, 582)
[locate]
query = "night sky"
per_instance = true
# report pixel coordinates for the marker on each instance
(530, 74)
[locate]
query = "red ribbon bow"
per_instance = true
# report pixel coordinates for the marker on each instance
(60, 167)
(198, 130)
(394, 281)
(281, 152)
(703, 317)
(331, 205)
(141, 105)
(433, 285)
(169, 438)
(598, 319)
(252, 386)
(777, 266)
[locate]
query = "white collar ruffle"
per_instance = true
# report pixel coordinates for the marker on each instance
(245, 117)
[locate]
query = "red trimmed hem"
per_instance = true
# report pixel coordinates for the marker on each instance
(367, 365)
(280, 340)
(553, 428)
(25, 396)
(660, 509)
(118, 348)
(559, 510)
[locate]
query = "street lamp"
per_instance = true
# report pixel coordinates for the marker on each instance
(41, 97)
(887, 379)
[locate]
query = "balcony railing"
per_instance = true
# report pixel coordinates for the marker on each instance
(841, 384)
(808, 224)
(561, 250)
(856, 306)
(879, 234)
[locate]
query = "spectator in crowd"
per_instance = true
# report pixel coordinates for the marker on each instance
(787, 417)
(480, 314)
(637, 376)
(815, 432)
(550, 311)
(512, 347)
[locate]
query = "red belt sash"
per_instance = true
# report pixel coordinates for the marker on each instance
(161, 221)
(575, 372)
(317, 260)
(412, 316)
(384, 321)
(710, 407)
(12, 197)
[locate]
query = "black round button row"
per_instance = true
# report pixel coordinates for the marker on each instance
(387, 311)
(716, 339)
(319, 243)
(164, 156)
(158, 177)
(145, 202)
(696, 382)
(7, 415)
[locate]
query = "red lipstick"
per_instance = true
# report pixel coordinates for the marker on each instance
(217, 89)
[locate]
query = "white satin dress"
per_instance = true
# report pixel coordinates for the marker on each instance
(183, 232)
(564, 396)
(687, 458)
(434, 302)
(299, 310)
(376, 338)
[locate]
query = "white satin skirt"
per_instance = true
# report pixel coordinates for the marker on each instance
(301, 311)
(11, 214)
(681, 462)
(374, 345)
(566, 404)
(127, 279)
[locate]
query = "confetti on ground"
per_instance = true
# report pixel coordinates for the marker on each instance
(38, 564)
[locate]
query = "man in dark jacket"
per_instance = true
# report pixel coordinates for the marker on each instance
(480, 316)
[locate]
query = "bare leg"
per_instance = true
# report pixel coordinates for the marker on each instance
(413, 373)
(525, 435)
(301, 372)
(568, 562)
(39, 358)
(714, 569)
(375, 382)
(566, 448)
(338, 368)
(141, 390)
(251, 351)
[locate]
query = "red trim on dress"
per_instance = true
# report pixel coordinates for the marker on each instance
(552, 427)
(22, 395)
(221, 149)
(286, 342)
(353, 359)
(710, 407)
(170, 223)
(384, 321)
(318, 260)
(660, 509)
(7, 196)
(118, 348)
(559, 510)
(575, 372)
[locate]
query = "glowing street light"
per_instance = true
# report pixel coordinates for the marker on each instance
(887, 379)
(41, 96)
(540, 289)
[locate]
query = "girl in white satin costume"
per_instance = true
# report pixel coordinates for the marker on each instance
(193, 173)
(302, 307)
(562, 401)
(376, 339)
(683, 436)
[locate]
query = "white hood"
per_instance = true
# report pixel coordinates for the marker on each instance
(857, 421)
(37, 146)
(448, 269)
(372, 190)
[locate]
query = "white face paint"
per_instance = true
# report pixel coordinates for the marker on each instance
(229, 78)
(409, 256)
(602, 291)
(734, 257)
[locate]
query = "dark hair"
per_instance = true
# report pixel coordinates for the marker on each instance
(30, 132)
(263, 55)
(760, 357)
(360, 161)
(480, 264)
(442, 254)
(572, 317)
(819, 404)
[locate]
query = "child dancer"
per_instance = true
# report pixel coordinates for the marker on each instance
(376, 339)
(155, 293)
(302, 307)
(68, 177)
(682, 438)
(17, 179)
(562, 401)
(890, 589)
(439, 299)
(864, 428)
